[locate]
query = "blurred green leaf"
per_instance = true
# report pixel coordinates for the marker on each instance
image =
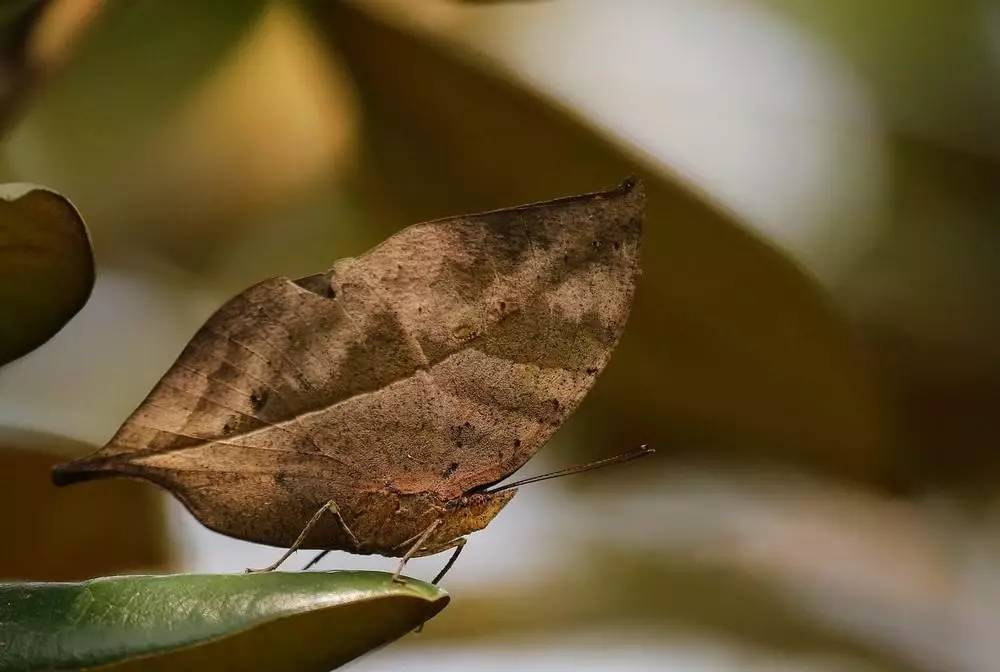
(278, 621)
(32, 45)
(92, 129)
(730, 345)
(58, 535)
(137, 66)
(930, 66)
(46, 266)
(16, 21)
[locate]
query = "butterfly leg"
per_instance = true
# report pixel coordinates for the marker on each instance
(458, 545)
(319, 556)
(343, 525)
(330, 506)
(421, 540)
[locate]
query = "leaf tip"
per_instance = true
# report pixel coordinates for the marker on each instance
(77, 471)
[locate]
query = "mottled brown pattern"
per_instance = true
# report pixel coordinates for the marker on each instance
(398, 384)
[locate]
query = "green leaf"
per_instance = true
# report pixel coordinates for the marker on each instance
(46, 266)
(278, 621)
(730, 347)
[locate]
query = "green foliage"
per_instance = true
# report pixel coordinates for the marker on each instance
(278, 621)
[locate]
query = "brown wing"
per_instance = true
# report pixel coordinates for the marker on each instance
(513, 313)
(439, 361)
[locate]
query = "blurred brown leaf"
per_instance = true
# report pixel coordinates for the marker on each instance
(55, 535)
(926, 295)
(730, 344)
(46, 266)
(925, 292)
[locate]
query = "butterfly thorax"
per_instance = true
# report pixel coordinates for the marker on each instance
(387, 523)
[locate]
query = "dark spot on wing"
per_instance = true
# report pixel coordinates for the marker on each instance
(461, 434)
(257, 399)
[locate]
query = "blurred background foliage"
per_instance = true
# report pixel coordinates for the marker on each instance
(815, 346)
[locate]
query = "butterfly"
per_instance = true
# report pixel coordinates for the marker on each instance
(375, 407)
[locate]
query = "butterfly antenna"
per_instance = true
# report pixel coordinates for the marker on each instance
(641, 451)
